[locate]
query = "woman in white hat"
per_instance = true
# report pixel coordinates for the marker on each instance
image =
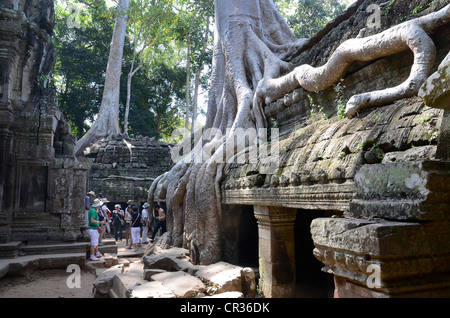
(94, 224)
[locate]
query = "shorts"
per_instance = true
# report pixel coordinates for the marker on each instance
(135, 235)
(94, 235)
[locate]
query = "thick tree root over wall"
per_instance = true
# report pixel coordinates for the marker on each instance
(251, 41)
(412, 34)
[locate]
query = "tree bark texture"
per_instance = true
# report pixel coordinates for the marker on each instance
(251, 39)
(413, 35)
(251, 42)
(107, 122)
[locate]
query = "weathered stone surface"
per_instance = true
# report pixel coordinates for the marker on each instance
(124, 168)
(225, 277)
(318, 163)
(229, 294)
(182, 284)
(168, 261)
(403, 191)
(435, 91)
(39, 181)
(413, 154)
(148, 273)
(409, 257)
(104, 282)
(248, 282)
(155, 289)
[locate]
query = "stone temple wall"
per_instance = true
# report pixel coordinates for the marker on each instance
(384, 174)
(124, 168)
(42, 186)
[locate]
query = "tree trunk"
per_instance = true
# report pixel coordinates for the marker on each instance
(197, 80)
(413, 35)
(251, 41)
(188, 86)
(107, 122)
(251, 38)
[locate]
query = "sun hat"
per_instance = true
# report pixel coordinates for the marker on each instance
(91, 193)
(96, 203)
(146, 205)
(105, 200)
(129, 201)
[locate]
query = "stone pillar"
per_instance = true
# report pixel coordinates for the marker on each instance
(395, 241)
(67, 190)
(276, 250)
(5, 153)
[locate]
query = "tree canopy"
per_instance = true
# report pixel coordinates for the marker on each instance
(168, 46)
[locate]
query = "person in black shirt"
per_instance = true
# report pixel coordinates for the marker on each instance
(117, 216)
(136, 225)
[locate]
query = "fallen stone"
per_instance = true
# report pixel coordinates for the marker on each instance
(125, 283)
(153, 289)
(167, 261)
(104, 281)
(248, 282)
(224, 276)
(134, 269)
(148, 273)
(230, 294)
(434, 91)
(182, 284)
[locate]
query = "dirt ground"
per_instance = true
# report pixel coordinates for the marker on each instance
(47, 284)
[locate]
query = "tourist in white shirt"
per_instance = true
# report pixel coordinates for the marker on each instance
(145, 222)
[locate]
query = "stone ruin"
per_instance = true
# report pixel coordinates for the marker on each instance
(42, 185)
(371, 193)
(367, 196)
(124, 168)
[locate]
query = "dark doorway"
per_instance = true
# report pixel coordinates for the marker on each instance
(311, 282)
(248, 238)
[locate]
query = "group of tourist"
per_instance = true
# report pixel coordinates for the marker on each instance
(100, 220)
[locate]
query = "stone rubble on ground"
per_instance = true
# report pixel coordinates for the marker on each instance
(168, 273)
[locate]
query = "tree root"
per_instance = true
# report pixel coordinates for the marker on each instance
(411, 34)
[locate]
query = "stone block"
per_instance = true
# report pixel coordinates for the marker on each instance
(226, 277)
(167, 261)
(403, 191)
(148, 273)
(434, 91)
(407, 257)
(153, 289)
(182, 284)
(230, 294)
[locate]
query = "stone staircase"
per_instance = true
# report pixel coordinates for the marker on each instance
(19, 259)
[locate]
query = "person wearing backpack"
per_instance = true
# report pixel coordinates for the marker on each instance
(94, 224)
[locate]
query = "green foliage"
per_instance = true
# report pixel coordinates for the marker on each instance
(388, 7)
(82, 38)
(417, 10)
(307, 17)
(82, 55)
(159, 29)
